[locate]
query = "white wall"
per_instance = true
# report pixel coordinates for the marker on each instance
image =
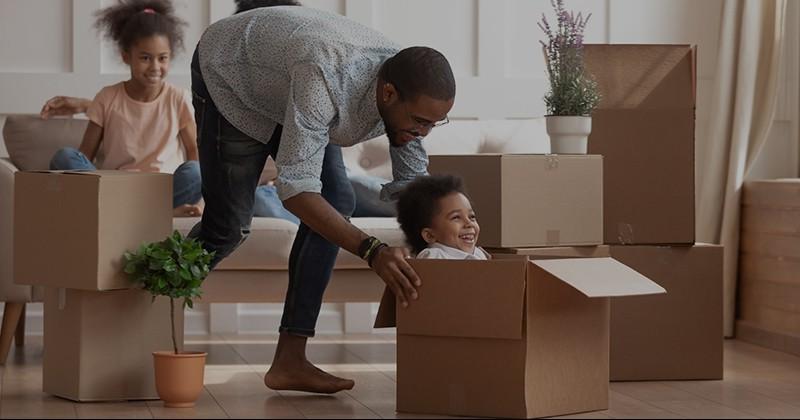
(49, 47)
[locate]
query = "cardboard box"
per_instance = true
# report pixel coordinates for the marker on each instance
(531, 200)
(677, 336)
(98, 345)
(508, 338)
(769, 263)
(71, 229)
(644, 128)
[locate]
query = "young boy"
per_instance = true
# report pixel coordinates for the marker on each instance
(438, 221)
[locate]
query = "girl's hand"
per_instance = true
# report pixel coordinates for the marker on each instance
(64, 105)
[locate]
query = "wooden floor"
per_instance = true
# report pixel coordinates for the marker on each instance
(759, 383)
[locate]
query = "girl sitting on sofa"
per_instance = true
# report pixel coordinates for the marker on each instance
(438, 221)
(141, 123)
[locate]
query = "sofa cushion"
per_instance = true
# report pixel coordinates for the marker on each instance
(270, 242)
(31, 141)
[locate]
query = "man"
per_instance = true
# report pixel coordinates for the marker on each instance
(297, 84)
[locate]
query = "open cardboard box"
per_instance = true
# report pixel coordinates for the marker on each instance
(71, 229)
(514, 338)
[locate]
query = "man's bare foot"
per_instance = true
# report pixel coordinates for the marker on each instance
(305, 377)
(187, 210)
(291, 371)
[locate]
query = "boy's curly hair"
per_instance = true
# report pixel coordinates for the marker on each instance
(131, 20)
(420, 202)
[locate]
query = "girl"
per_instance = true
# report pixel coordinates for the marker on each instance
(438, 220)
(144, 123)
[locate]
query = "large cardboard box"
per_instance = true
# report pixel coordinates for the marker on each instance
(531, 200)
(98, 345)
(769, 265)
(674, 336)
(71, 229)
(644, 128)
(512, 338)
(677, 336)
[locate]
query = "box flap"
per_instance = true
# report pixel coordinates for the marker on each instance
(600, 277)
(643, 76)
(386, 317)
(479, 299)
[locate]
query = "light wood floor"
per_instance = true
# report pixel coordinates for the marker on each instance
(759, 383)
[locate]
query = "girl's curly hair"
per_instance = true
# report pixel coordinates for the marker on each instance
(131, 20)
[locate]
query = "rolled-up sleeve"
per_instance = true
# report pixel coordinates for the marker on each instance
(408, 163)
(309, 113)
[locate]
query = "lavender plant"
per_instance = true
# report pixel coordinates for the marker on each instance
(572, 92)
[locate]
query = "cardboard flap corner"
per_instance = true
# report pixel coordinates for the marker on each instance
(387, 311)
(600, 277)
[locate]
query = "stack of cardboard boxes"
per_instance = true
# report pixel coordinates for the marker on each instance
(70, 233)
(533, 333)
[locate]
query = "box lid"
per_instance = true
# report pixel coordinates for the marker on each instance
(600, 277)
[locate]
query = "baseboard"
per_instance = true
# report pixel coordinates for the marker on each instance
(252, 319)
(749, 332)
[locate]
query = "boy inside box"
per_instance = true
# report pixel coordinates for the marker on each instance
(438, 220)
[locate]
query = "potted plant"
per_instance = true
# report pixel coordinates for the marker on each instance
(174, 267)
(572, 94)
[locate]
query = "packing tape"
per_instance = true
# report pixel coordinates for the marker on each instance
(553, 237)
(552, 162)
(62, 299)
(625, 233)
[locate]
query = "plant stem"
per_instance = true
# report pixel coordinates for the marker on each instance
(172, 324)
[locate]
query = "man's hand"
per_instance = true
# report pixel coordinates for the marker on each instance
(391, 265)
(64, 105)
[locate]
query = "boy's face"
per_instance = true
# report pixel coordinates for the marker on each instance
(149, 60)
(454, 224)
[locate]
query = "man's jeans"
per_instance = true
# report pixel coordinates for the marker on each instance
(231, 163)
(185, 181)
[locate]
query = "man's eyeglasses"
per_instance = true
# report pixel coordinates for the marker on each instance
(425, 124)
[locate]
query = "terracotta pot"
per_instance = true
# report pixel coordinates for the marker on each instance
(569, 135)
(179, 377)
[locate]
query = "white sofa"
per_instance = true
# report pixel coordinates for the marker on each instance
(257, 271)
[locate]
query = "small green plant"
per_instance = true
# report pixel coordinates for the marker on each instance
(174, 267)
(572, 92)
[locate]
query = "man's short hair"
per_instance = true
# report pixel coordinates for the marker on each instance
(419, 71)
(245, 5)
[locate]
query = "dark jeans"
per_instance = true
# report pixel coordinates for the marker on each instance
(231, 163)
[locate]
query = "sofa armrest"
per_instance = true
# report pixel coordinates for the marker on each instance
(9, 292)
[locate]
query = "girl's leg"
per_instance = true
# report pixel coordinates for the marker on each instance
(71, 159)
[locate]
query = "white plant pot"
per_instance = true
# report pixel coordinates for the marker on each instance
(569, 135)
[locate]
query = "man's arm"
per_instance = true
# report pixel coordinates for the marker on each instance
(408, 162)
(300, 160)
(390, 263)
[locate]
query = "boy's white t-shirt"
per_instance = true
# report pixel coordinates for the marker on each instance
(141, 136)
(444, 252)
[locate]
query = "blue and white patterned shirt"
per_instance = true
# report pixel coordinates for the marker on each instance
(311, 71)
